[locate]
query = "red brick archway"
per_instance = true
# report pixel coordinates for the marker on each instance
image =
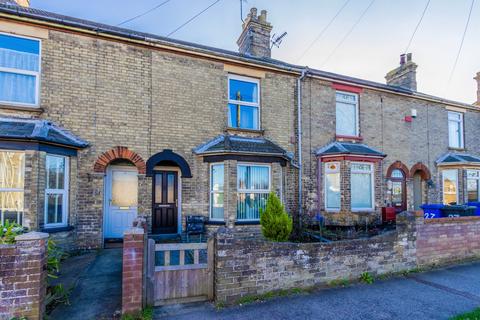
(119, 153)
(420, 167)
(400, 166)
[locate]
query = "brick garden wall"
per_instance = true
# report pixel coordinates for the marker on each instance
(249, 266)
(23, 277)
(440, 241)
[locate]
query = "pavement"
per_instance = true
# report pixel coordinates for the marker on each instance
(437, 294)
(97, 286)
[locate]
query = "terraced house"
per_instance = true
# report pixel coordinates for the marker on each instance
(100, 124)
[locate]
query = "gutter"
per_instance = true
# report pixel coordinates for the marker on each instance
(299, 132)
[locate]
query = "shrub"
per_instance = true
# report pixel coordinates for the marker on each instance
(9, 231)
(276, 223)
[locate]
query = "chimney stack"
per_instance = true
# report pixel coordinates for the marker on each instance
(478, 89)
(255, 38)
(405, 75)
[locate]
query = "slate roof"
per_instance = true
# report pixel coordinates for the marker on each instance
(38, 130)
(246, 145)
(37, 14)
(337, 147)
(458, 158)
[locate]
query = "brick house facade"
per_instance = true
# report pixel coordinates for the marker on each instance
(148, 125)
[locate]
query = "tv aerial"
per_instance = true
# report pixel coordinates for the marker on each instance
(276, 41)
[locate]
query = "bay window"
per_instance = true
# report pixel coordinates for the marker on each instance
(361, 185)
(11, 186)
(455, 130)
(253, 187)
(332, 186)
(346, 114)
(56, 191)
(216, 192)
(450, 186)
(473, 179)
(243, 102)
(19, 70)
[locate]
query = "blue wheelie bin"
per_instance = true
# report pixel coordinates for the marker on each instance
(432, 210)
(477, 205)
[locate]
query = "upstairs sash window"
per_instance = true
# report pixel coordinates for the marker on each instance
(346, 114)
(11, 186)
(455, 130)
(243, 103)
(19, 70)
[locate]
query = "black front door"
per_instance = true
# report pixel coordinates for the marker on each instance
(165, 202)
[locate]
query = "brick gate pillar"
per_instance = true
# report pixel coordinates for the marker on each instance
(24, 276)
(133, 270)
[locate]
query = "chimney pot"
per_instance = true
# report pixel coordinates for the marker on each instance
(253, 12)
(405, 75)
(263, 16)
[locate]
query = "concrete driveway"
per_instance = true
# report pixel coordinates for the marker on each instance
(98, 291)
(437, 294)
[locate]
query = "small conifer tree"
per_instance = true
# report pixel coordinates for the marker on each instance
(276, 224)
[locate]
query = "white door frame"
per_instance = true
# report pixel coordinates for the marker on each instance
(107, 185)
(179, 193)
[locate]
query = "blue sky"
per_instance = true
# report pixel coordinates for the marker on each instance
(371, 50)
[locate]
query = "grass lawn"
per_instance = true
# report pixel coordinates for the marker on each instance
(472, 315)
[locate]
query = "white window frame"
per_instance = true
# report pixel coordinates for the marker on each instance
(475, 176)
(372, 177)
(326, 172)
(22, 190)
(244, 103)
(457, 196)
(239, 190)
(461, 133)
(357, 112)
(212, 192)
(64, 192)
(37, 74)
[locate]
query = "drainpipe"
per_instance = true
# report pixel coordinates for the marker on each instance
(299, 133)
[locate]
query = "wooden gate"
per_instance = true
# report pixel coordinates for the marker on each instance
(179, 272)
